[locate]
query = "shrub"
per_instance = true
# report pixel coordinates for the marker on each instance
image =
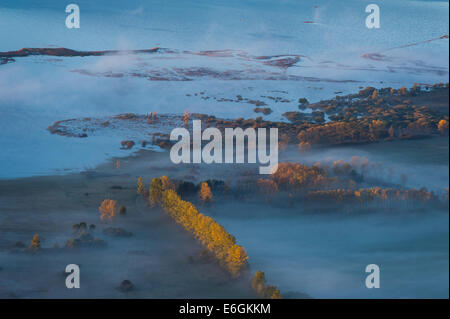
(35, 243)
(302, 100)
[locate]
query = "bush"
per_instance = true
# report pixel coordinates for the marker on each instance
(303, 101)
(35, 243)
(126, 286)
(127, 144)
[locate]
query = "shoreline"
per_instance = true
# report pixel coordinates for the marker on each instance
(141, 154)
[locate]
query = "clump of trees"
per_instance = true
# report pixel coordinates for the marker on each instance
(356, 169)
(295, 176)
(211, 234)
(263, 110)
(83, 237)
(263, 290)
(370, 116)
(402, 121)
(340, 182)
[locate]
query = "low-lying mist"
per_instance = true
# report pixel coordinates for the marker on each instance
(325, 255)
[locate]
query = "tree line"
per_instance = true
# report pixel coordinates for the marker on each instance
(366, 195)
(214, 237)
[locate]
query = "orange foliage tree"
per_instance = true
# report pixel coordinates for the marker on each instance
(107, 209)
(443, 126)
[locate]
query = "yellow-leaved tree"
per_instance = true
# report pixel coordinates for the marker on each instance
(140, 186)
(263, 290)
(155, 192)
(205, 193)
